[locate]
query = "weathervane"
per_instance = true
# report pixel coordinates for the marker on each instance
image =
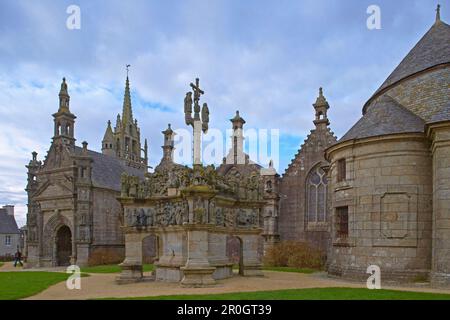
(197, 123)
(128, 66)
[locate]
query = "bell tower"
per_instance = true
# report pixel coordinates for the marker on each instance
(64, 120)
(321, 106)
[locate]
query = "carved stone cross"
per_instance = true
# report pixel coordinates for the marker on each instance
(197, 123)
(197, 93)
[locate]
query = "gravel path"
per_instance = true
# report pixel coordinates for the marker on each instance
(99, 285)
(103, 285)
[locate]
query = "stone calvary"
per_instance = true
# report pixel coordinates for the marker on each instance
(193, 211)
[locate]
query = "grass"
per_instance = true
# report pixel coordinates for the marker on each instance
(111, 268)
(18, 285)
(310, 294)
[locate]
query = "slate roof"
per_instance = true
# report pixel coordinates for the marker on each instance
(385, 116)
(442, 115)
(8, 224)
(107, 170)
(432, 50)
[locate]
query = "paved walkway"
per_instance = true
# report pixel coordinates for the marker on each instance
(9, 266)
(99, 285)
(103, 285)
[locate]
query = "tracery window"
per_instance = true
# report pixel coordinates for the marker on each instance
(316, 197)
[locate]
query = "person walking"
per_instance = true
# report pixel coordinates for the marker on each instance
(18, 258)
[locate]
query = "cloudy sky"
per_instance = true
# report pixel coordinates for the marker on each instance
(265, 58)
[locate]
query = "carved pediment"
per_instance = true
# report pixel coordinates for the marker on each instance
(58, 156)
(54, 190)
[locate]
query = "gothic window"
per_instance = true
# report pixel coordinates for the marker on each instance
(7, 240)
(316, 198)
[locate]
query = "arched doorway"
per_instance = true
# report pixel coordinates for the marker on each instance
(235, 252)
(63, 246)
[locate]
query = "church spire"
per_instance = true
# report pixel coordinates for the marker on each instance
(127, 113)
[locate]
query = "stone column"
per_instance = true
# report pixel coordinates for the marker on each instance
(197, 142)
(440, 273)
(252, 260)
(198, 271)
(132, 265)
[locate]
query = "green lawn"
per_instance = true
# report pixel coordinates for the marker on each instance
(310, 294)
(18, 285)
(111, 268)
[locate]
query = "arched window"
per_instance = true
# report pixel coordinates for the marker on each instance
(316, 197)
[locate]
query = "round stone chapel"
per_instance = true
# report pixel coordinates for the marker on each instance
(390, 174)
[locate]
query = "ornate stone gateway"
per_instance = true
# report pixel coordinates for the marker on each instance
(192, 212)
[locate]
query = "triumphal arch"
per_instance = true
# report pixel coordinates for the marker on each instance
(192, 211)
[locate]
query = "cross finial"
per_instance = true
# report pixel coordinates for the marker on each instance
(128, 66)
(438, 13)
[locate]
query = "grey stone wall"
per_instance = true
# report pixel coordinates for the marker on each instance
(441, 205)
(388, 191)
(106, 218)
(292, 222)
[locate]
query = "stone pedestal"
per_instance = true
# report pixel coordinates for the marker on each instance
(132, 265)
(198, 277)
(198, 270)
(131, 273)
(252, 262)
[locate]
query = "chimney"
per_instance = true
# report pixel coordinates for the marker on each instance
(9, 209)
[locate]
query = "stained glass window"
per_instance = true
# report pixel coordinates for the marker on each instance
(316, 199)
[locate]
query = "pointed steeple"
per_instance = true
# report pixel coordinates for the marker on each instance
(108, 141)
(109, 135)
(438, 13)
(127, 113)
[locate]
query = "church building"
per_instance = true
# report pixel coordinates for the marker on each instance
(73, 213)
(389, 180)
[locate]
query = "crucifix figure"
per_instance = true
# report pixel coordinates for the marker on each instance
(197, 93)
(197, 123)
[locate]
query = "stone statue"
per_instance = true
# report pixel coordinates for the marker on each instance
(124, 185)
(150, 217)
(205, 118)
(220, 221)
(141, 218)
(188, 108)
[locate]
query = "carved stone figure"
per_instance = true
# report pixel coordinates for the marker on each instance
(124, 185)
(188, 108)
